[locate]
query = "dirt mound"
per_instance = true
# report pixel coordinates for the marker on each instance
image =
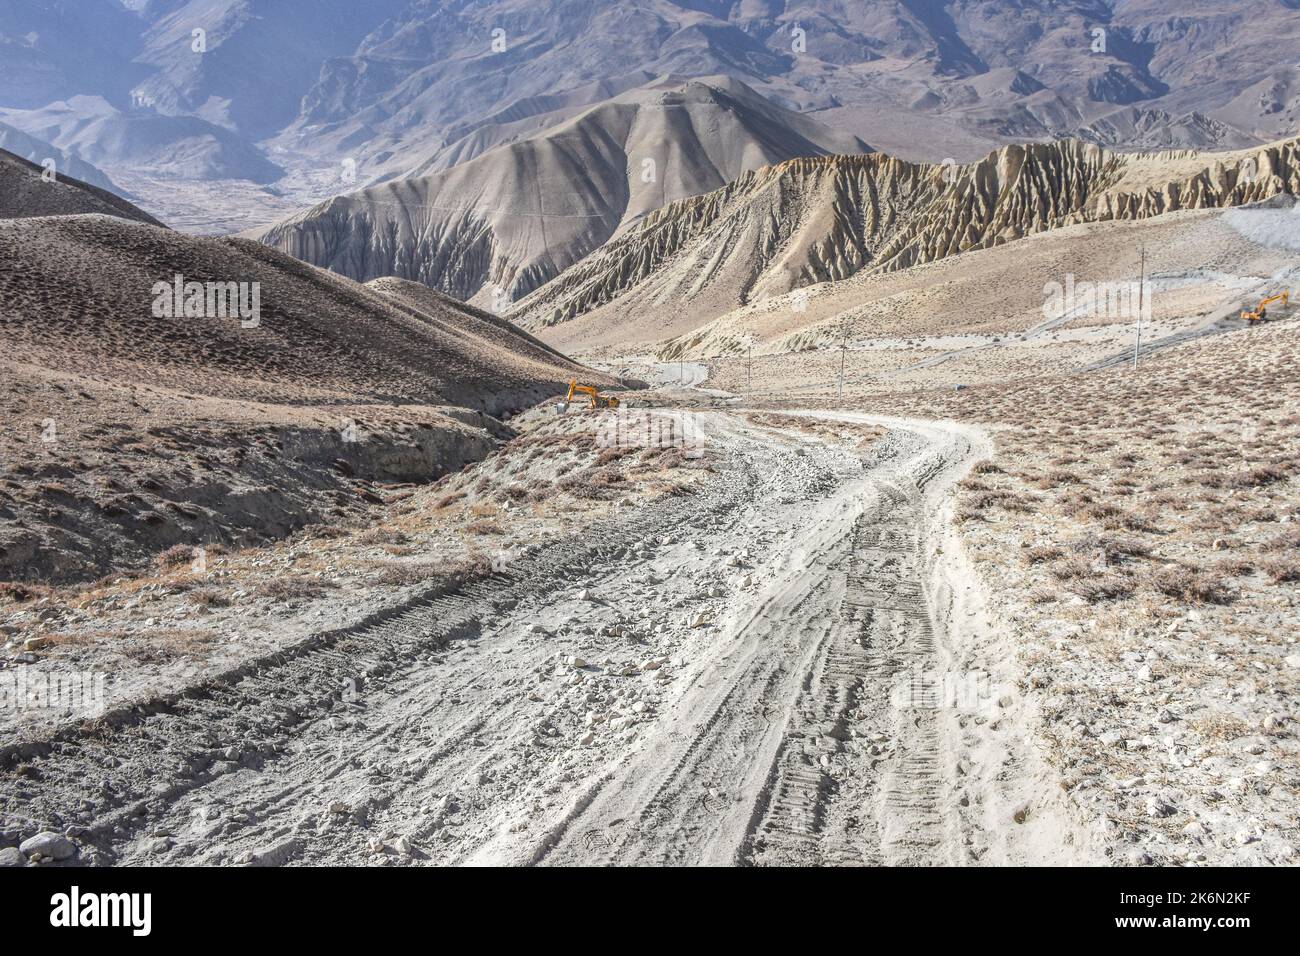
(28, 190)
(815, 220)
(129, 430)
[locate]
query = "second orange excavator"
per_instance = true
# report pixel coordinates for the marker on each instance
(1261, 313)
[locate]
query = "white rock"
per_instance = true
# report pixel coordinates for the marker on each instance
(54, 846)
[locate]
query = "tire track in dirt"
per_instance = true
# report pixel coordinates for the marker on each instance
(778, 744)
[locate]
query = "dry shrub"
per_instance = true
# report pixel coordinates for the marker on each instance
(1221, 727)
(290, 589)
(1281, 570)
(1102, 587)
(19, 592)
(1040, 554)
(383, 536)
(207, 597)
(1188, 585)
(175, 556)
(1287, 541)
(401, 575)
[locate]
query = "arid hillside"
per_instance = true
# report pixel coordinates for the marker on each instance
(494, 228)
(28, 190)
(133, 424)
(811, 221)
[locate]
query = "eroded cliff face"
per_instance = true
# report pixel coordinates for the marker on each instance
(814, 220)
(500, 225)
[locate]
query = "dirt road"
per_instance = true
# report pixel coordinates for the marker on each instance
(780, 669)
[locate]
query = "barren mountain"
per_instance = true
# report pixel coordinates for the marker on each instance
(38, 151)
(28, 190)
(258, 57)
(814, 220)
(498, 226)
(993, 71)
(174, 147)
(149, 429)
(321, 97)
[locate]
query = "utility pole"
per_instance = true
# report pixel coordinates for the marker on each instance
(749, 370)
(1142, 293)
(844, 351)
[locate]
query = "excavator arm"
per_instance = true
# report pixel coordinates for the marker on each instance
(1261, 313)
(592, 393)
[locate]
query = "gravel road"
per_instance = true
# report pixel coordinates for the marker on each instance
(754, 674)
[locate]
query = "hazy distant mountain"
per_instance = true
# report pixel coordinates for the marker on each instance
(391, 87)
(260, 57)
(994, 68)
(515, 216)
(182, 147)
(38, 151)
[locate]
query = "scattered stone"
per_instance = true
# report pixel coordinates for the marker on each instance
(51, 845)
(12, 856)
(276, 855)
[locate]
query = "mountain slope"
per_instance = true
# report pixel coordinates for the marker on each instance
(814, 220)
(38, 151)
(994, 71)
(518, 215)
(176, 147)
(27, 191)
(127, 431)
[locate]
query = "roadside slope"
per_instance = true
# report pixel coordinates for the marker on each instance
(129, 431)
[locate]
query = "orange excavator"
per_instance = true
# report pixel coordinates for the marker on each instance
(597, 400)
(1261, 313)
